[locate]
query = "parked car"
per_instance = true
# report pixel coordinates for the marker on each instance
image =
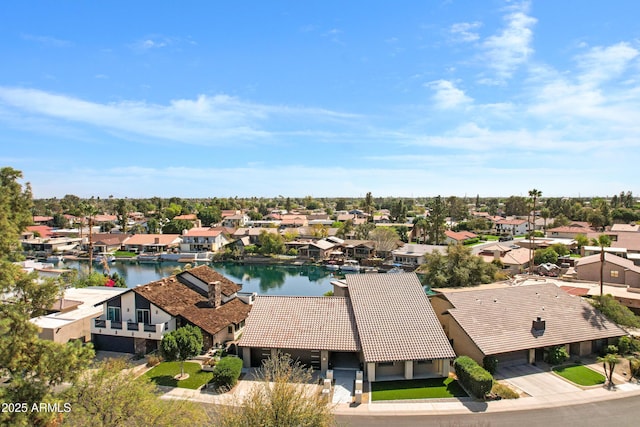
(505, 238)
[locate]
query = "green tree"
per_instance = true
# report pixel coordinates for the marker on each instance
(270, 243)
(604, 242)
(362, 231)
(420, 226)
(458, 268)
(534, 195)
(123, 207)
(543, 256)
(153, 226)
(609, 363)
(111, 395)
(281, 397)
(15, 212)
(177, 226)
(385, 239)
(368, 205)
(436, 221)
(613, 310)
(581, 241)
(182, 344)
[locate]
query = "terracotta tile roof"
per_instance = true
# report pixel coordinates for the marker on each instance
(150, 239)
(179, 299)
(460, 235)
(203, 231)
(207, 275)
(44, 230)
(322, 323)
(187, 217)
(500, 320)
(395, 319)
(511, 221)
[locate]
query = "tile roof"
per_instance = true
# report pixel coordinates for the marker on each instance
(179, 299)
(208, 275)
(395, 319)
(203, 231)
(323, 323)
(610, 258)
(500, 320)
(150, 239)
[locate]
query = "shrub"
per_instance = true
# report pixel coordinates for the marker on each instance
(611, 349)
(490, 363)
(504, 391)
(153, 360)
(557, 355)
(624, 345)
(473, 377)
(615, 311)
(226, 373)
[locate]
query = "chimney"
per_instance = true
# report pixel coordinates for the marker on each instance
(215, 293)
(496, 254)
(538, 326)
(156, 240)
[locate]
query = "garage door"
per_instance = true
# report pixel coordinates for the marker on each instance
(513, 358)
(112, 343)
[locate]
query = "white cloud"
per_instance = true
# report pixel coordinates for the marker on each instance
(465, 31)
(447, 95)
(601, 64)
(511, 48)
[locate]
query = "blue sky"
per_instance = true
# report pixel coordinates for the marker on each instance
(321, 98)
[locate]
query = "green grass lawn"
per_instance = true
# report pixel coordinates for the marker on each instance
(125, 254)
(163, 374)
(580, 375)
(491, 238)
(416, 389)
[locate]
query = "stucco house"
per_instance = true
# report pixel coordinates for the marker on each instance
(514, 260)
(412, 255)
(517, 324)
(617, 270)
(152, 243)
(455, 237)
(512, 226)
(203, 239)
(382, 323)
(136, 321)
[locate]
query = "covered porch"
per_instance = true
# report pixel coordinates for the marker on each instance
(407, 369)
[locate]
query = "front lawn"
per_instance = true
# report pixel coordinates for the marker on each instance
(164, 373)
(124, 254)
(431, 388)
(580, 375)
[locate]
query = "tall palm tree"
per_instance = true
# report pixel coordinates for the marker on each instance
(604, 242)
(534, 194)
(89, 211)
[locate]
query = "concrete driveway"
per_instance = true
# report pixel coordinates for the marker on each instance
(534, 381)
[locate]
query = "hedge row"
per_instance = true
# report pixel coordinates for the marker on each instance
(227, 372)
(473, 377)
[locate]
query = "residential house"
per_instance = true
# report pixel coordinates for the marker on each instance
(617, 270)
(633, 228)
(293, 221)
(458, 237)
(107, 242)
(43, 231)
(571, 231)
(235, 220)
(514, 260)
(385, 324)
(412, 255)
(318, 250)
(71, 316)
(518, 324)
(152, 243)
(43, 220)
(513, 227)
(358, 249)
(192, 218)
(136, 320)
(203, 239)
(252, 233)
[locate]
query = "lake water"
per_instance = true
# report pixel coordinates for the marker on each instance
(264, 279)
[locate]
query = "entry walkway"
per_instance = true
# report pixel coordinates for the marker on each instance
(343, 387)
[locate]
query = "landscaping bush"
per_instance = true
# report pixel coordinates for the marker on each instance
(153, 360)
(227, 372)
(611, 349)
(473, 377)
(624, 345)
(490, 363)
(503, 391)
(557, 355)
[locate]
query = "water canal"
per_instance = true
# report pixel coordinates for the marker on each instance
(307, 280)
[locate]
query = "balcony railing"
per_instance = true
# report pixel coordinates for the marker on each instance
(100, 323)
(149, 328)
(133, 326)
(109, 327)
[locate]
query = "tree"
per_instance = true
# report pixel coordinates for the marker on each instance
(270, 243)
(543, 256)
(182, 344)
(368, 205)
(458, 268)
(609, 363)
(177, 226)
(581, 241)
(15, 212)
(111, 395)
(534, 194)
(420, 226)
(123, 207)
(604, 242)
(385, 239)
(281, 397)
(362, 231)
(89, 211)
(436, 221)
(613, 310)
(545, 213)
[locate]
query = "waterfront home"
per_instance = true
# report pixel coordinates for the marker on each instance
(136, 320)
(107, 242)
(412, 255)
(71, 316)
(513, 259)
(203, 239)
(318, 250)
(518, 324)
(384, 324)
(155, 243)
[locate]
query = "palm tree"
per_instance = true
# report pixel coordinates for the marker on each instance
(604, 242)
(609, 363)
(534, 194)
(89, 211)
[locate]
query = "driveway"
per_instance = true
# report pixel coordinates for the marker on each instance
(534, 381)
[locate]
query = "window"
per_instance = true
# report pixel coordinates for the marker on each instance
(381, 364)
(113, 313)
(614, 273)
(143, 316)
(230, 329)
